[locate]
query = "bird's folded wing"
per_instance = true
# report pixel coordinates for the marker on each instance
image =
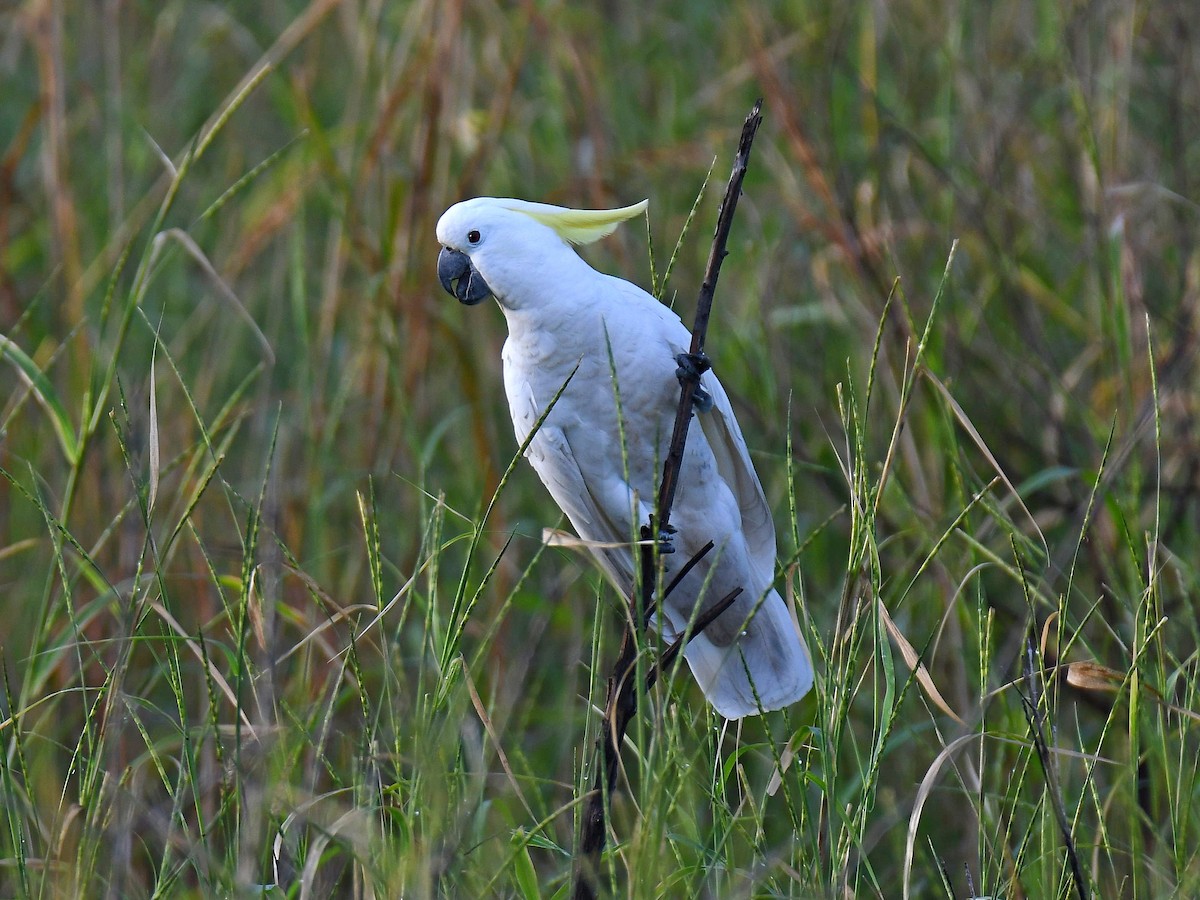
(588, 506)
(733, 462)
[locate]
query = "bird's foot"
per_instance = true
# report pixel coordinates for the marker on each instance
(665, 538)
(691, 367)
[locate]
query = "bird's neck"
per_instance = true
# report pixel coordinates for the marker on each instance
(561, 321)
(550, 283)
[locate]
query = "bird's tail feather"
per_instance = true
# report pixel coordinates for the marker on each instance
(767, 667)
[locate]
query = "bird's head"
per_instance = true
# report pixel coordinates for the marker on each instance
(498, 247)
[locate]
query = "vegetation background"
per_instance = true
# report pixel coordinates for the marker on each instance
(264, 630)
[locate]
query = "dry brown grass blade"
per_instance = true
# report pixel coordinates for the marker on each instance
(969, 427)
(785, 761)
(930, 780)
(254, 609)
(912, 659)
(223, 290)
(1050, 620)
(154, 449)
(213, 672)
(923, 792)
(556, 537)
(18, 547)
(491, 732)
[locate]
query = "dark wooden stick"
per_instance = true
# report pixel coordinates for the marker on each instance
(623, 687)
(690, 376)
(619, 709)
(703, 620)
(1035, 715)
(687, 567)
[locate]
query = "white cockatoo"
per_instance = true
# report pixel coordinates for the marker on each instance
(564, 317)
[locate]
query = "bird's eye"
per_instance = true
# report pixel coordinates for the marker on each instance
(473, 236)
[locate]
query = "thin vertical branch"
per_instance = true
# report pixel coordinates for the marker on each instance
(690, 380)
(623, 686)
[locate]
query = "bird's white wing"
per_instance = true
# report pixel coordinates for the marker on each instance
(733, 463)
(593, 504)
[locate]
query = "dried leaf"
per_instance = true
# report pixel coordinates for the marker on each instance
(1050, 619)
(913, 660)
(1090, 676)
(785, 761)
(556, 537)
(923, 792)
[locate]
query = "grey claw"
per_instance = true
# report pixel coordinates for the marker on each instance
(691, 367)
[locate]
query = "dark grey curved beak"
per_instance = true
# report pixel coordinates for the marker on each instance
(460, 278)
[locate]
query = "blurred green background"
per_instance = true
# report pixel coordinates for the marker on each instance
(247, 441)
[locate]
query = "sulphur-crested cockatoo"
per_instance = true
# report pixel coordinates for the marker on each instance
(563, 317)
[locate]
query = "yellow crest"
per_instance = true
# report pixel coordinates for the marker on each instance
(578, 226)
